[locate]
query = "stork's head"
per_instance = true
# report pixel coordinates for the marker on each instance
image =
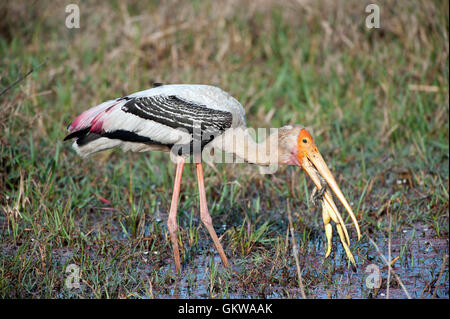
(297, 147)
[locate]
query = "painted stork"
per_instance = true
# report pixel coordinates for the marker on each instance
(173, 118)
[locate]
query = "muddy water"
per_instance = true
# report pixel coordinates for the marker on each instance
(417, 256)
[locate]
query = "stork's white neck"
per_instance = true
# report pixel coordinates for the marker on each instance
(239, 141)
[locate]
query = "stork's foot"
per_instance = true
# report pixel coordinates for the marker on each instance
(173, 230)
(207, 221)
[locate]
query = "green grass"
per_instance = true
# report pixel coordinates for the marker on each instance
(316, 64)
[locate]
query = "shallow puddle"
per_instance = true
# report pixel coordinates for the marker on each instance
(417, 256)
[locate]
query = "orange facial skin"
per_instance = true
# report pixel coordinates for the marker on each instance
(305, 145)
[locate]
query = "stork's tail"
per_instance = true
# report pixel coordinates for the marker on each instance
(87, 129)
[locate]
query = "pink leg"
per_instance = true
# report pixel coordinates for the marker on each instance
(172, 221)
(206, 218)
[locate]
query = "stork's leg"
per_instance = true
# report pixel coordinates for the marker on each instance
(172, 221)
(206, 218)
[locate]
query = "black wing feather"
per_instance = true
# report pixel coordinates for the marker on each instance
(202, 122)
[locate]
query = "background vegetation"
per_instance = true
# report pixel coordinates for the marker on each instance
(376, 99)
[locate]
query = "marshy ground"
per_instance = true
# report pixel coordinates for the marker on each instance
(376, 99)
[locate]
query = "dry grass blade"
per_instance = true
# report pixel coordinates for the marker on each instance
(389, 256)
(295, 250)
(424, 88)
(21, 78)
(444, 262)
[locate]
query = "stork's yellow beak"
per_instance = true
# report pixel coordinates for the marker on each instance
(314, 165)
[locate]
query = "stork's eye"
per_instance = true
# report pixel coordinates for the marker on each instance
(305, 140)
